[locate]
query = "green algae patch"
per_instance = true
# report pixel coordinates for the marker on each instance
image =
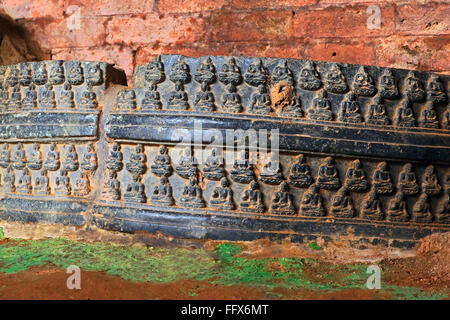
(129, 263)
(2, 235)
(314, 246)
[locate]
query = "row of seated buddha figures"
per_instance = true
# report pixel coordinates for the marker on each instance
(18, 160)
(33, 85)
(282, 202)
(287, 102)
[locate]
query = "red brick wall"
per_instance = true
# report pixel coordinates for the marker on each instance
(413, 34)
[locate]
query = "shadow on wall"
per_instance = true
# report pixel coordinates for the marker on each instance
(15, 44)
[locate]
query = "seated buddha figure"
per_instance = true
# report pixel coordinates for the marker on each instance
(162, 193)
(213, 169)
(40, 76)
(62, 182)
(9, 180)
(187, 167)
(388, 85)
(138, 159)
(312, 202)
(381, 178)
(309, 78)
(47, 97)
(443, 208)
(114, 162)
(24, 183)
(232, 101)
(396, 210)
(35, 161)
(283, 202)
(56, 74)
(66, 100)
(356, 177)
(435, 90)
(111, 189)
(376, 112)
(82, 185)
(413, 87)
(252, 199)
(363, 84)
(342, 203)
(260, 101)
(371, 206)
(19, 159)
(25, 74)
(15, 99)
(135, 191)
(204, 100)
(407, 180)
(94, 74)
(222, 196)
(350, 111)
(192, 196)
(152, 99)
(71, 162)
(335, 81)
(328, 176)
(5, 156)
(256, 73)
(421, 211)
(178, 99)
(161, 164)
(52, 162)
(30, 99)
(4, 96)
(271, 173)
(41, 184)
(126, 99)
(446, 119)
(75, 74)
(242, 169)
(88, 99)
(320, 107)
(404, 116)
(428, 117)
(89, 162)
(300, 173)
(430, 184)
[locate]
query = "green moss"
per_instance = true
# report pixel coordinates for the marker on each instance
(130, 263)
(2, 235)
(314, 246)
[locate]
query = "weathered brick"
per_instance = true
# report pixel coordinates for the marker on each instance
(178, 6)
(347, 51)
(148, 53)
(112, 7)
(259, 25)
(152, 28)
(421, 53)
(66, 33)
(428, 19)
(270, 4)
(18, 9)
(348, 21)
(122, 57)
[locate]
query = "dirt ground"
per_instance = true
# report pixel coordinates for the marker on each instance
(44, 283)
